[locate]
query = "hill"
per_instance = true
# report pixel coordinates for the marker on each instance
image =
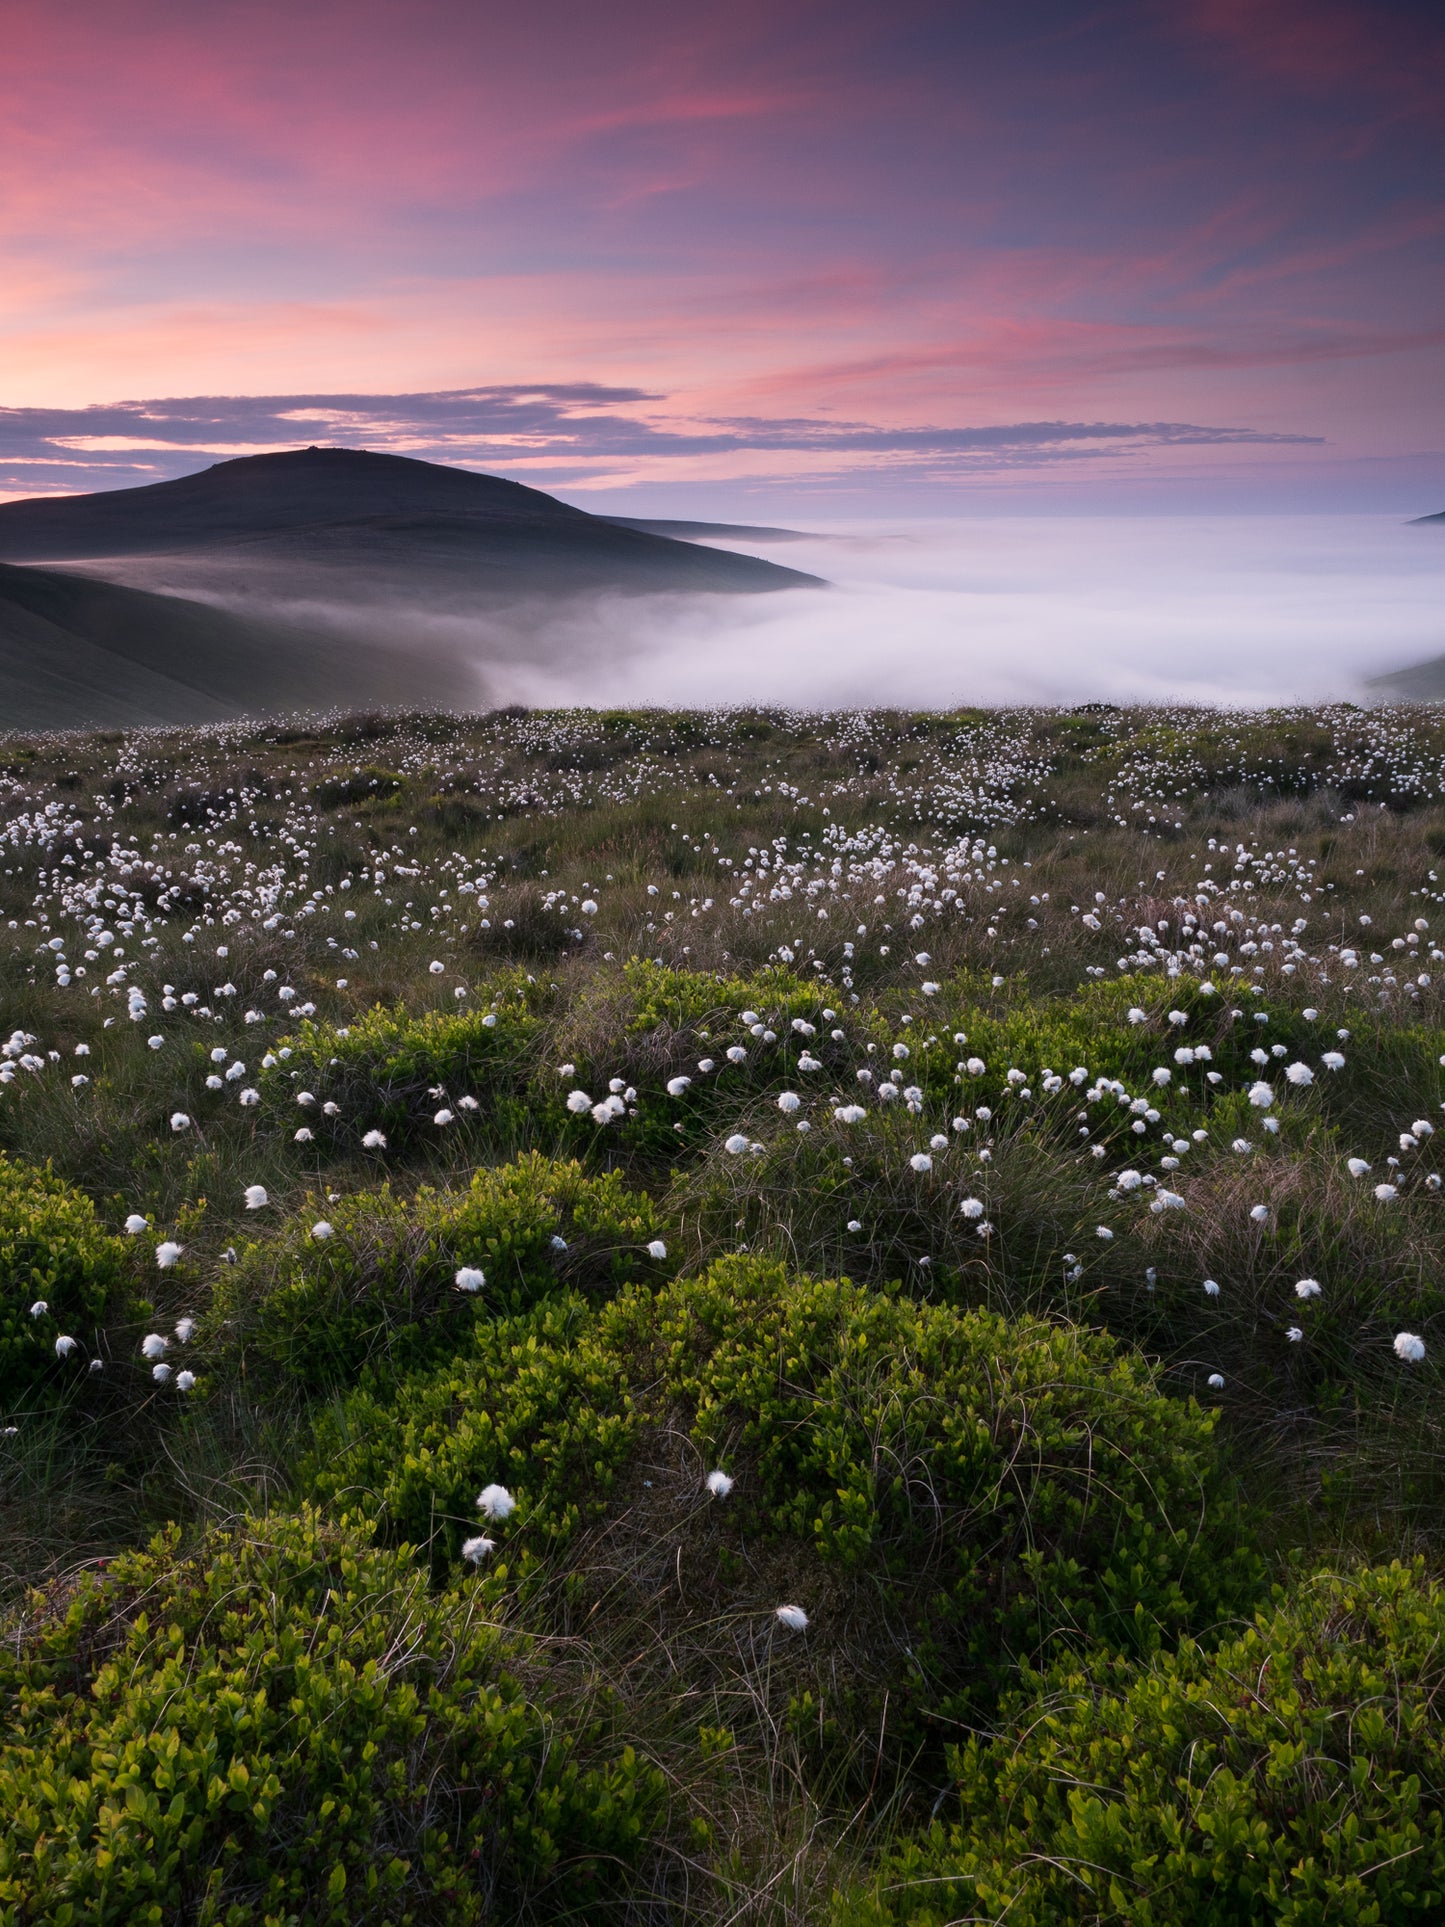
(1421, 519)
(302, 579)
(1421, 682)
(266, 524)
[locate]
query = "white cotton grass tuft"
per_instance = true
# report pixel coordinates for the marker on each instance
(469, 1278)
(1258, 1213)
(1357, 1167)
(39, 1308)
(496, 1502)
(168, 1253)
(185, 1381)
(1211, 1289)
(850, 1114)
(719, 1484)
(1216, 1381)
(676, 1086)
(475, 1550)
(179, 1121)
(64, 1346)
(185, 1330)
(1261, 1096)
(1409, 1348)
(1387, 1193)
(921, 1161)
(374, 1141)
(788, 1102)
(256, 1197)
(322, 1230)
(135, 1224)
(154, 1345)
(444, 1117)
(1307, 1288)
(793, 1617)
(736, 1144)
(160, 1373)
(656, 1249)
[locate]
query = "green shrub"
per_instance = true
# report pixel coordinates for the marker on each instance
(382, 1285)
(286, 1726)
(1001, 1487)
(1029, 1478)
(382, 1070)
(1295, 1776)
(53, 1250)
(541, 1404)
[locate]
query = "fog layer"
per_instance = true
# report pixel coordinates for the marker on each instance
(1244, 610)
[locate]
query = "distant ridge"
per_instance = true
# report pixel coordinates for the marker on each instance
(689, 531)
(1417, 520)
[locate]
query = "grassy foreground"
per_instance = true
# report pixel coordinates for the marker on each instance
(732, 1318)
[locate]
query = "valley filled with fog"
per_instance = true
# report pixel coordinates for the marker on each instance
(1210, 609)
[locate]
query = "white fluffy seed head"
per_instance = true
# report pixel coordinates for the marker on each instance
(468, 1278)
(793, 1617)
(719, 1484)
(1409, 1348)
(496, 1502)
(474, 1551)
(256, 1197)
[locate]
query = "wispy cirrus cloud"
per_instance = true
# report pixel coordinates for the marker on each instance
(581, 431)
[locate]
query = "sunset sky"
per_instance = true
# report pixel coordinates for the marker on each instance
(736, 258)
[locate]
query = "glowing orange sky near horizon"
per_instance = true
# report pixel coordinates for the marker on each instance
(1217, 212)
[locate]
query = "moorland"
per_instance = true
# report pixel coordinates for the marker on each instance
(743, 1317)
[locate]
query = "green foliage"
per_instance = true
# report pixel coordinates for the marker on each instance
(1294, 1776)
(286, 1726)
(1006, 1486)
(362, 786)
(381, 1286)
(53, 1250)
(1030, 1478)
(382, 1069)
(542, 1405)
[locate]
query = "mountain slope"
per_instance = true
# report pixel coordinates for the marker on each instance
(76, 651)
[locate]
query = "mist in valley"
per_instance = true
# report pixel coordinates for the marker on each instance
(1230, 610)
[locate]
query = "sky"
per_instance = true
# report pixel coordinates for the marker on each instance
(742, 259)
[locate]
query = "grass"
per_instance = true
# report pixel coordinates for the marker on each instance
(1020, 1030)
